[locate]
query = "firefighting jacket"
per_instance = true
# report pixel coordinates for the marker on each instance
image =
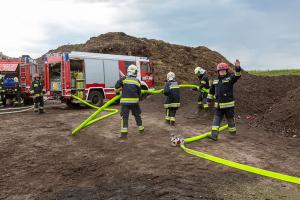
(172, 93)
(36, 88)
(131, 90)
(1, 85)
(203, 81)
(222, 90)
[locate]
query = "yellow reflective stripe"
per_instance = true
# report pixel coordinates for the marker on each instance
(174, 87)
(216, 104)
(173, 119)
(174, 105)
(215, 128)
(225, 81)
(203, 82)
(35, 85)
(132, 82)
(226, 105)
(215, 82)
(141, 128)
(205, 105)
(200, 103)
(237, 73)
(210, 96)
(129, 99)
(232, 129)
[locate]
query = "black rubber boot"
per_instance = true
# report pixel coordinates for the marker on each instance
(167, 121)
(172, 123)
(213, 136)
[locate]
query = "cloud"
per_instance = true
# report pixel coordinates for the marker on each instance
(261, 33)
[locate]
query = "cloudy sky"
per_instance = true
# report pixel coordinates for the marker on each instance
(262, 33)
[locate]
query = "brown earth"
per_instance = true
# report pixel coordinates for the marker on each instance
(41, 160)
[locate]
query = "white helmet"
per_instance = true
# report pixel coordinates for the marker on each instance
(199, 71)
(132, 70)
(16, 79)
(170, 76)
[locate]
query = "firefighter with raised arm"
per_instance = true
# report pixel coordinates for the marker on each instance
(172, 103)
(131, 93)
(2, 96)
(222, 90)
(203, 83)
(36, 89)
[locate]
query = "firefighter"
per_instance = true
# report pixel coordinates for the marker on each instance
(36, 89)
(203, 83)
(131, 92)
(172, 103)
(222, 90)
(18, 97)
(2, 96)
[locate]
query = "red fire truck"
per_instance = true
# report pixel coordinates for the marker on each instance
(91, 76)
(17, 75)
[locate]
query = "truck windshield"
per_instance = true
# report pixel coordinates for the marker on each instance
(145, 67)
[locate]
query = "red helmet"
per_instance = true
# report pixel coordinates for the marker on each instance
(222, 66)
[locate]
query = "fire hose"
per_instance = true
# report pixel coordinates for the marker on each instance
(5, 111)
(182, 141)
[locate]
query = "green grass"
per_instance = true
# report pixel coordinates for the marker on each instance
(275, 72)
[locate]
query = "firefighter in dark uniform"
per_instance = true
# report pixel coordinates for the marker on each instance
(18, 97)
(2, 96)
(131, 93)
(172, 103)
(222, 90)
(36, 89)
(203, 83)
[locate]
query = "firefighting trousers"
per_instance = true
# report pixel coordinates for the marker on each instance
(136, 112)
(202, 100)
(38, 103)
(2, 99)
(219, 114)
(171, 114)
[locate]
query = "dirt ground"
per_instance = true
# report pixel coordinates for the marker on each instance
(39, 159)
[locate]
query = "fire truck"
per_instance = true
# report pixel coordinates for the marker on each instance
(91, 76)
(17, 74)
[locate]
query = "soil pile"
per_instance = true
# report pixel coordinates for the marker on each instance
(285, 114)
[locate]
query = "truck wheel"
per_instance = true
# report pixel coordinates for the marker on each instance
(96, 98)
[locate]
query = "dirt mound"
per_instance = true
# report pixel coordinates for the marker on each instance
(285, 115)
(2, 56)
(165, 56)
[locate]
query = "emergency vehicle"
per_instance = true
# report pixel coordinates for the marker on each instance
(17, 75)
(91, 76)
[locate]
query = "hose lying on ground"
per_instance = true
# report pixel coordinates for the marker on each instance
(90, 120)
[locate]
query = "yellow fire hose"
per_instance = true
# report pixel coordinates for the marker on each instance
(112, 111)
(222, 161)
(235, 165)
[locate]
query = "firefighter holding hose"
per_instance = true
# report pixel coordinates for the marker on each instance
(131, 93)
(222, 90)
(2, 100)
(172, 103)
(36, 89)
(203, 83)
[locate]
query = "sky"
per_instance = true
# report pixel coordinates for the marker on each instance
(263, 34)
